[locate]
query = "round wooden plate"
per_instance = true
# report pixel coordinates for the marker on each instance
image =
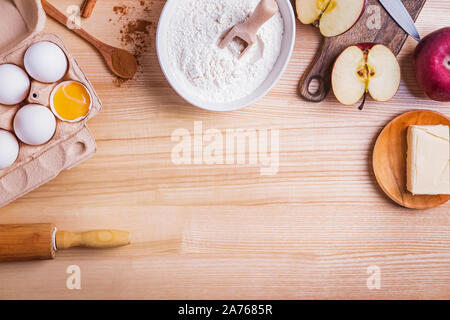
(389, 159)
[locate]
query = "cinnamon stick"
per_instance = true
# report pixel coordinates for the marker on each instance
(88, 8)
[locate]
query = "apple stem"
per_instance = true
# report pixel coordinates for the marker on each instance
(363, 102)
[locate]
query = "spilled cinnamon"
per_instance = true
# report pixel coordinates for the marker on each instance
(136, 28)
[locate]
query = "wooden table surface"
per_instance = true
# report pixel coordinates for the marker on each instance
(225, 231)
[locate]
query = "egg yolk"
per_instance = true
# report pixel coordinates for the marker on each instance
(71, 101)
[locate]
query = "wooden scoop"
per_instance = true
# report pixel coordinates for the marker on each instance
(19, 242)
(247, 31)
(120, 62)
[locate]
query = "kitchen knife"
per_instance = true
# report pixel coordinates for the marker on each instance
(400, 14)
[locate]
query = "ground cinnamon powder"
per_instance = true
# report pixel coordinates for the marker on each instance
(124, 63)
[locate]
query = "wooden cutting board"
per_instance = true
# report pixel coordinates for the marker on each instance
(375, 25)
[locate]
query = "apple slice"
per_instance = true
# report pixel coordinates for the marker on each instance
(333, 17)
(365, 68)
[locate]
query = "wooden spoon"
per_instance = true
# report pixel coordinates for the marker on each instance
(120, 62)
(389, 159)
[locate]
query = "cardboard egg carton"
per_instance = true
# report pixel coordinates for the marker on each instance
(21, 23)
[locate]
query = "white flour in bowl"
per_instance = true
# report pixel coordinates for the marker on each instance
(211, 73)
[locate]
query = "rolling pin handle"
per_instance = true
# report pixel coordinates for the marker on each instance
(99, 239)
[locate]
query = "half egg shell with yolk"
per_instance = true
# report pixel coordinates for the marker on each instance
(71, 101)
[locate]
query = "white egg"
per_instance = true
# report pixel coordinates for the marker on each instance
(9, 150)
(34, 124)
(45, 62)
(14, 84)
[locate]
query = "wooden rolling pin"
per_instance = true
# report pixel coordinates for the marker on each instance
(19, 242)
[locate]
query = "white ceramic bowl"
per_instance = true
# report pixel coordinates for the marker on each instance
(287, 47)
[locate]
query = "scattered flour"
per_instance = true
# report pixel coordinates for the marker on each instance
(213, 74)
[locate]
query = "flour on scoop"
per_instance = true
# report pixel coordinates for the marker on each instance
(213, 74)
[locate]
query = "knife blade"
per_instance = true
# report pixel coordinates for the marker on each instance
(400, 14)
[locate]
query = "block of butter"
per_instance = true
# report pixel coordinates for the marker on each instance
(428, 160)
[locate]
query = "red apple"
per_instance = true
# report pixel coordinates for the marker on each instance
(333, 17)
(365, 68)
(432, 63)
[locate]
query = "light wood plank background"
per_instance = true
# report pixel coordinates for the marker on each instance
(218, 232)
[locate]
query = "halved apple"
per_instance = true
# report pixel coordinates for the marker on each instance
(365, 68)
(333, 17)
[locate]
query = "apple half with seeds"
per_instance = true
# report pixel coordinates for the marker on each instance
(365, 68)
(333, 17)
